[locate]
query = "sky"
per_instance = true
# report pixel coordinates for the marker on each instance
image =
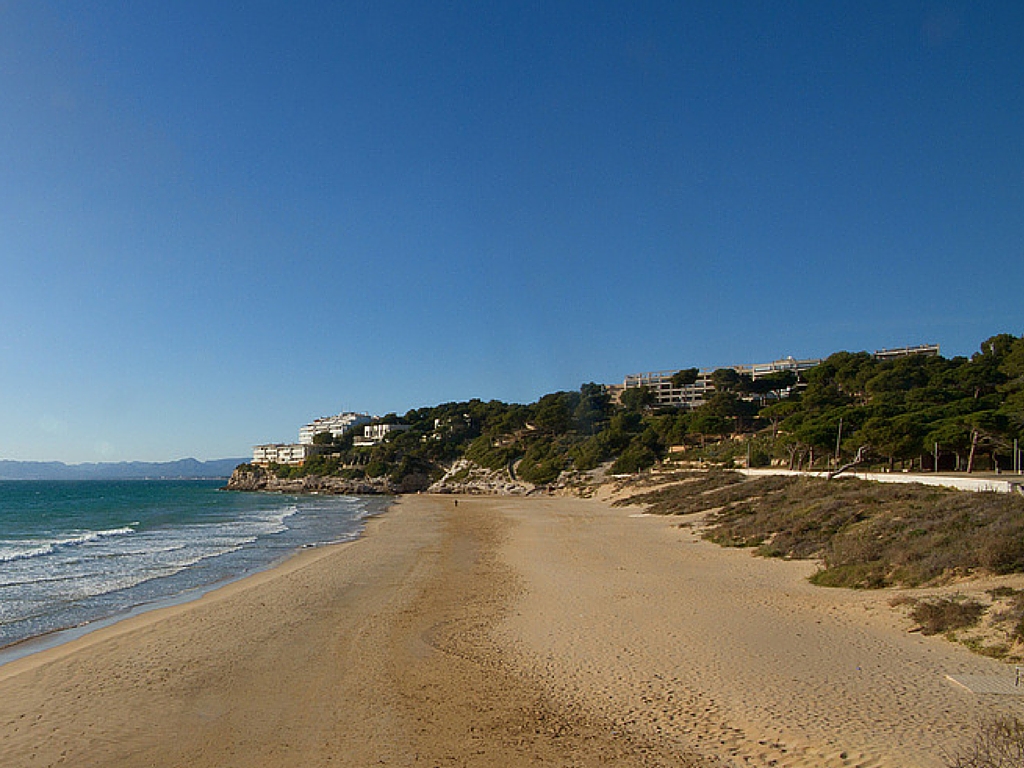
(221, 220)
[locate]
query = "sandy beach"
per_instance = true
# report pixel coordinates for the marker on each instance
(508, 632)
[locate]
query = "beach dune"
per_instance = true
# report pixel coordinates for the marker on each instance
(506, 632)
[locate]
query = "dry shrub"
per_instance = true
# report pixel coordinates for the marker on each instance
(1011, 614)
(946, 615)
(852, 576)
(693, 493)
(866, 534)
(998, 744)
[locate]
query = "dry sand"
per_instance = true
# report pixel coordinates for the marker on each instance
(503, 632)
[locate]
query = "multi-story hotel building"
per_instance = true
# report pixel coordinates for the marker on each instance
(929, 350)
(296, 453)
(696, 394)
(281, 453)
(335, 425)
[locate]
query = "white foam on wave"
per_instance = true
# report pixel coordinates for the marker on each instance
(16, 549)
(159, 554)
(171, 552)
(64, 573)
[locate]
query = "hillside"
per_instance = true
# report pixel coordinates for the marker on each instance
(186, 469)
(916, 411)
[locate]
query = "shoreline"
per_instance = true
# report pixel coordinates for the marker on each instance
(59, 635)
(54, 639)
(144, 614)
(511, 631)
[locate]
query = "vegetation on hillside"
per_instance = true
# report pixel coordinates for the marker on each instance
(864, 534)
(560, 431)
(906, 410)
(872, 535)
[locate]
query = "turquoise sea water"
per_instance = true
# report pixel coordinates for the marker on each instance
(72, 552)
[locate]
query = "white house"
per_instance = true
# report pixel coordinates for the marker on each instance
(335, 425)
(377, 433)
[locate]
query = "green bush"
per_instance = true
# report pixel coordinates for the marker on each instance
(588, 454)
(486, 454)
(540, 472)
(946, 615)
(852, 576)
(636, 458)
(376, 469)
(542, 463)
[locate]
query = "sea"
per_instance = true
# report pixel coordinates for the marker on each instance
(75, 554)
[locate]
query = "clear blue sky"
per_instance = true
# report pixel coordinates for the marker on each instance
(219, 221)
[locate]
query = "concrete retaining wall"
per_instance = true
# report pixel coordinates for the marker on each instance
(960, 482)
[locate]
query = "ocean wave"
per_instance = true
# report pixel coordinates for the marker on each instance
(53, 579)
(15, 549)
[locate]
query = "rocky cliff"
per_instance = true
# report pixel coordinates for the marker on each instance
(463, 477)
(249, 477)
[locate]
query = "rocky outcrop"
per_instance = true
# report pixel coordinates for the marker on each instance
(468, 477)
(462, 477)
(251, 477)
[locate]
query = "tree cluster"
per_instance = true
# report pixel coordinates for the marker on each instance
(929, 409)
(895, 410)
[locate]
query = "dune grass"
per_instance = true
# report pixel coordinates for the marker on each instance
(866, 535)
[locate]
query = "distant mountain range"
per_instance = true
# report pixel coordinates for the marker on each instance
(124, 470)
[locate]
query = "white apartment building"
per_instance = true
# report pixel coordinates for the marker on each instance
(335, 425)
(696, 394)
(281, 453)
(297, 453)
(931, 350)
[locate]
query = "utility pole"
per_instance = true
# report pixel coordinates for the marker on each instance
(936, 468)
(839, 438)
